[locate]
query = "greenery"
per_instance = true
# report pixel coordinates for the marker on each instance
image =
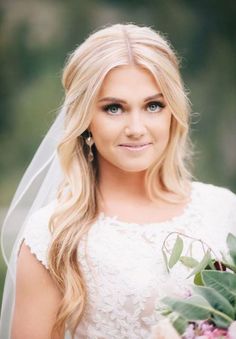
(213, 297)
(2, 277)
(37, 37)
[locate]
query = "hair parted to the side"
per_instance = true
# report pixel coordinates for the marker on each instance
(84, 73)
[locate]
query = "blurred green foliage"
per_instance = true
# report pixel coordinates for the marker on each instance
(36, 37)
(2, 278)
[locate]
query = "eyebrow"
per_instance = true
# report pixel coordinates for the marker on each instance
(155, 96)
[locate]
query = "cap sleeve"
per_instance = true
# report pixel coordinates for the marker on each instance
(232, 213)
(36, 234)
(217, 206)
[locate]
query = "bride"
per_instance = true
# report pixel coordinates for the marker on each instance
(112, 180)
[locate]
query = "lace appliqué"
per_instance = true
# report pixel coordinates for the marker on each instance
(123, 267)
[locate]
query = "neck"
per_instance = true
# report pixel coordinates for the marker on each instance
(117, 184)
(130, 184)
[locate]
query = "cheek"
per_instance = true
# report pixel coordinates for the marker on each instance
(162, 130)
(104, 132)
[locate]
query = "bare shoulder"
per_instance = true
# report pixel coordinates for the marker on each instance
(37, 299)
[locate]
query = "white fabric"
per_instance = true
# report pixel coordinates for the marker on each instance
(123, 264)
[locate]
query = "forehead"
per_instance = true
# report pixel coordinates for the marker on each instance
(129, 79)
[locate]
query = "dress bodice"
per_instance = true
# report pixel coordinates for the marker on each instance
(123, 266)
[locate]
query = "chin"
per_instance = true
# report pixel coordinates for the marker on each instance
(134, 169)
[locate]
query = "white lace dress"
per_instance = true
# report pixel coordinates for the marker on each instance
(123, 266)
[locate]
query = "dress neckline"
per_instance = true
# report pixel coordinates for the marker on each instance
(187, 209)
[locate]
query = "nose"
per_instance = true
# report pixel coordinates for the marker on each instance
(135, 125)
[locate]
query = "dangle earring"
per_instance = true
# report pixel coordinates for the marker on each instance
(89, 141)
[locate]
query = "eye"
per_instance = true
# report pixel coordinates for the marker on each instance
(113, 109)
(155, 106)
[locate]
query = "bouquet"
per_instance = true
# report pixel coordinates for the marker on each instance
(210, 310)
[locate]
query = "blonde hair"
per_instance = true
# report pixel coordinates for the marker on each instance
(84, 73)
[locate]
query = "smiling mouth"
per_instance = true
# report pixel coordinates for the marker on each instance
(134, 147)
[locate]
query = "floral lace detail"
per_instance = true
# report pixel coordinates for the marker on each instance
(125, 272)
(124, 290)
(123, 267)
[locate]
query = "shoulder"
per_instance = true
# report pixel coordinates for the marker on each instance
(37, 298)
(36, 234)
(216, 200)
(214, 193)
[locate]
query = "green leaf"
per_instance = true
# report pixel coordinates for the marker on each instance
(189, 261)
(223, 282)
(194, 308)
(203, 263)
(220, 322)
(210, 265)
(216, 300)
(163, 309)
(229, 266)
(165, 260)
(180, 323)
(176, 252)
(231, 242)
(228, 262)
(198, 279)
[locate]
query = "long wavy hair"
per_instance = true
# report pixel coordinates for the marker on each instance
(77, 209)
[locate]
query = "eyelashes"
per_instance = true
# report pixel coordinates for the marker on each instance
(115, 108)
(154, 104)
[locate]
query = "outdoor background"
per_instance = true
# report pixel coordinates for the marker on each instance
(37, 35)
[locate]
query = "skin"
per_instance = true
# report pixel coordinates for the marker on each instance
(138, 121)
(37, 299)
(130, 120)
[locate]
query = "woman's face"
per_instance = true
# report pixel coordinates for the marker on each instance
(131, 122)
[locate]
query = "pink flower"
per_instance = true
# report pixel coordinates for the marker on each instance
(215, 334)
(189, 332)
(205, 330)
(232, 331)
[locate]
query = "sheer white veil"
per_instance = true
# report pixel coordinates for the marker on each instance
(37, 188)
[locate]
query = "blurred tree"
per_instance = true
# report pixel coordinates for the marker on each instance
(36, 37)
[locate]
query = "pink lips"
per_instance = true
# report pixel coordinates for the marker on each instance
(135, 147)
